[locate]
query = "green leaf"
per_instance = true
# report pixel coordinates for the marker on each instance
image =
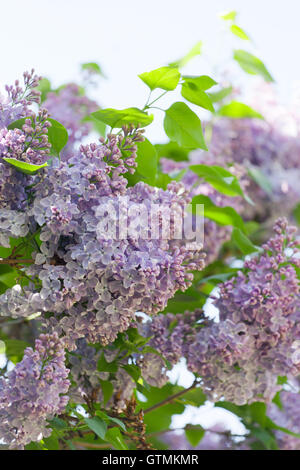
(229, 16)
(97, 425)
(44, 87)
(117, 421)
(57, 136)
(133, 370)
(237, 110)
(51, 443)
(239, 32)
(195, 51)
(114, 437)
(183, 126)
(252, 64)
(58, 423)
(194, 434)
(23, 167)
(243, 242)
(146, 159)
(107, 390)
(222, 180)
(195, 95)
(260, 179)
(118, 118)
(221, 94)
(104, 366)
(173, 151)
(221, 215)
(166, 78)
(98, 126)
(204, 82)
(92, 66)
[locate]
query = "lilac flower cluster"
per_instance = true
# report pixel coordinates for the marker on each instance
(258, 335)
(69, 106)
(33, 392)
(257, 338)
(18, 101)
(93, 285)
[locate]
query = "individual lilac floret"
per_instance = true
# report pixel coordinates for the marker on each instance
(33, 392)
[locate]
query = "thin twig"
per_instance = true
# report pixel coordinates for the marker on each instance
(169, 399)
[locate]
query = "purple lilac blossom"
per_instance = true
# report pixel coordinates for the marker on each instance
(33, 392)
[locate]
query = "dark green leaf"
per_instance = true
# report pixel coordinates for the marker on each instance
(97, 425)
(114, 437)
(51, 443)
(166, 78)
(104, 366)
(107, 390)
(183, 126)
(251, 64)
(194, 434)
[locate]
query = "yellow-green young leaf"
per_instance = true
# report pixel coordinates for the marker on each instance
(92, 66)
(204, 82)
(239, 32)
(194, 434)
(23, 167)
(146, 159)
(196, 50)
(229, 16)
(237, 110)
(251, 64)
(166, 78)
(117, 118)
(195, 95)
(2, 347)
(221, 94)
(183, 126)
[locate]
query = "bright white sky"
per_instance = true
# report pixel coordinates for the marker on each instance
(134, 36)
